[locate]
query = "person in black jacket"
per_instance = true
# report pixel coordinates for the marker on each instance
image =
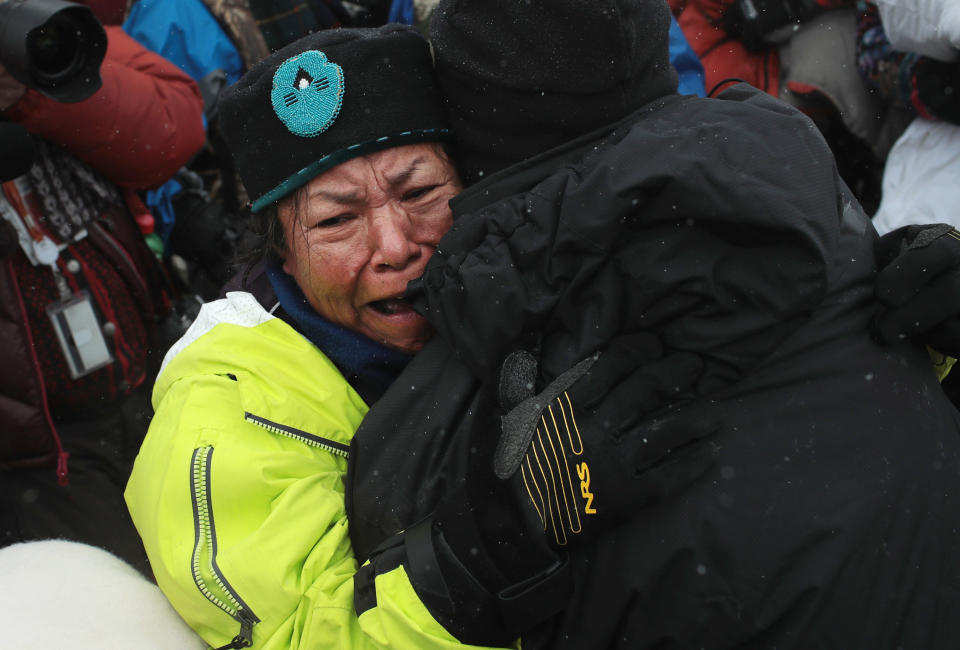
(654, 416)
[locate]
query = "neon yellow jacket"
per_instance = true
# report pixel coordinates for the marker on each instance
(238, 492)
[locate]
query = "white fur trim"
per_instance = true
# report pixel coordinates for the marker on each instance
(60, 594)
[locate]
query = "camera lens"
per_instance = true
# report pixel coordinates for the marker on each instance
(54, 48)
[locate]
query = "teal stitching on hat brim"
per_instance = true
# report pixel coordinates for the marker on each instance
(314, 169)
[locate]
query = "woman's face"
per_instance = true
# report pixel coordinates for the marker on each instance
(359, 232)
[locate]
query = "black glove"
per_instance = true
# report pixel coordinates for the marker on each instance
(479, 570)
(936, 84)
(600, 441)
(918, 285)
(482, 563)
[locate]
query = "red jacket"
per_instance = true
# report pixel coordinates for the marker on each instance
(137, 130)
(723, 57)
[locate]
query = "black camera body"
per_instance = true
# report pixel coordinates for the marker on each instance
(52, 46)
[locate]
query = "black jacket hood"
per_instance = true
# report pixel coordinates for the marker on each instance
(518, 81)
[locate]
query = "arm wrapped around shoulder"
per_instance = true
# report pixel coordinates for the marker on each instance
(583, 455)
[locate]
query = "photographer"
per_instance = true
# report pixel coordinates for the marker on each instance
(81, 294)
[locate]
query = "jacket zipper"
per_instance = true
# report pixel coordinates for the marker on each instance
(205, 537)
(336, 448)
(222, 594)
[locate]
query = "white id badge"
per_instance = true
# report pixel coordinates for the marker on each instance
(80, 335)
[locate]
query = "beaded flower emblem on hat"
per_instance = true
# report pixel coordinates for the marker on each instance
(307, 93)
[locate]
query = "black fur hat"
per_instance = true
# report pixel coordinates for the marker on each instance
(523, 76)
(327, 98)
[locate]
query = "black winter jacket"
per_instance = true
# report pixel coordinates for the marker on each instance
(830, 519)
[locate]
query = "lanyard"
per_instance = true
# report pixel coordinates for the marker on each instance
(38, 248)
(73, 316)
(12, 190)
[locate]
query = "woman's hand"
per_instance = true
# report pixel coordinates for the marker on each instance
(11, 90)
